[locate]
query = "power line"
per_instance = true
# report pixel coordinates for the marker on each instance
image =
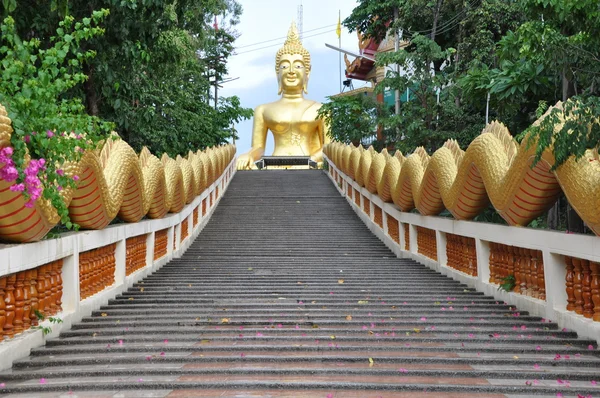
(449, 24)
(280, 43)
(283, 37)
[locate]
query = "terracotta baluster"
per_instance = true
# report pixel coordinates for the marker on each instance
(9, 300)
(569, 284)
(525, 272)
(47, 291)
(577, 285)
(33, 292)
(534, 274)
(541, 275)
(53, 289)
(2, 306)
(586, 280)
(83, 264)
(26, 300)
(59, 284)
(492, 262)
(41, 288)
(19, 302)
(594, 288)
(515, 267)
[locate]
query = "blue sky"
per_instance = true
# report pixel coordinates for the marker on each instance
(264, 20)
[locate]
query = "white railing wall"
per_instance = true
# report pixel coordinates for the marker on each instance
(555, 247)
(16, 258)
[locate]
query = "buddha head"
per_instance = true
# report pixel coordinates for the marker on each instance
(292, 64)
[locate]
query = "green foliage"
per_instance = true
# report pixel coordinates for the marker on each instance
(350, 118)
(34, 87)
(569, 132)
(41, 318)
(508, 283)
(151, 75)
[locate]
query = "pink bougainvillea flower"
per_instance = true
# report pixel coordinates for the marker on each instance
(50, 134)
(148, 357)
(329, 396)
(538, 348)
(536, 366)
(162, 353)
(402, 370)
(42, 381)
(594, 382)
(17, 187)
(242, 355)
(423, 318)
(2, 385)
(60, 172)
(559, 395)
(75, 178)
(590, 347)
(140, 380)
(120, 342)
(471, 335)
(259, 334)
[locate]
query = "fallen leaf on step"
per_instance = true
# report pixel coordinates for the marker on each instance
(104, 314)
(341, 281)
(225, 320)
(142, 289)
(371, 362)
(363, 301)
(348, 317)
(205, 341)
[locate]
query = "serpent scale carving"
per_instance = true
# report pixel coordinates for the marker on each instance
(494, 168)
(113, 182)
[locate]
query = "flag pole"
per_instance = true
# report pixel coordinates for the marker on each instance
(339, 32)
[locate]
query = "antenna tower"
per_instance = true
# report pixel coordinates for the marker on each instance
(300, 18)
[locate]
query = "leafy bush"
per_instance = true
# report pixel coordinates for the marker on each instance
(51, 129)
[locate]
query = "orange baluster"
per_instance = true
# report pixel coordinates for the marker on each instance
(59, 284)
(541, 276)
(492, 262)
(47, 291)
(26, 300)
(33, 292)
(534, 274)
(19, 302)
(586, 290)
(526, 272)
(516, 268)
(569, 284)
(577, 285)
(594, 288)
(53, 289)
(9, 301)
(41, 288)
(2, 306)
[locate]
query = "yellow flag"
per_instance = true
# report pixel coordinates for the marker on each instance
(338, 30)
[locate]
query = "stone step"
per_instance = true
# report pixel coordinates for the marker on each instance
(255, 307)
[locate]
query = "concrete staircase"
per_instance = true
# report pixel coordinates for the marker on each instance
(287, 294)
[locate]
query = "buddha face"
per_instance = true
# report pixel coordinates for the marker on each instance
(292, 74)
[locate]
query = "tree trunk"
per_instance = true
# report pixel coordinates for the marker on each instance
(436, 15)
(91, 99)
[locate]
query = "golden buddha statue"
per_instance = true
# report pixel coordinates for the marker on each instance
(292, 119)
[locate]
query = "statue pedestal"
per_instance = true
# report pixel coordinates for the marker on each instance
(286, 162)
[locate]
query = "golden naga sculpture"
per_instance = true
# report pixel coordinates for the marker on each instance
(494, 168)
(292, 119)
(113, 181)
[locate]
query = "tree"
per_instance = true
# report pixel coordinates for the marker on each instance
(151, 72)
(350, 118)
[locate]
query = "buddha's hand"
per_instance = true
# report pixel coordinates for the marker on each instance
(245, 162)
